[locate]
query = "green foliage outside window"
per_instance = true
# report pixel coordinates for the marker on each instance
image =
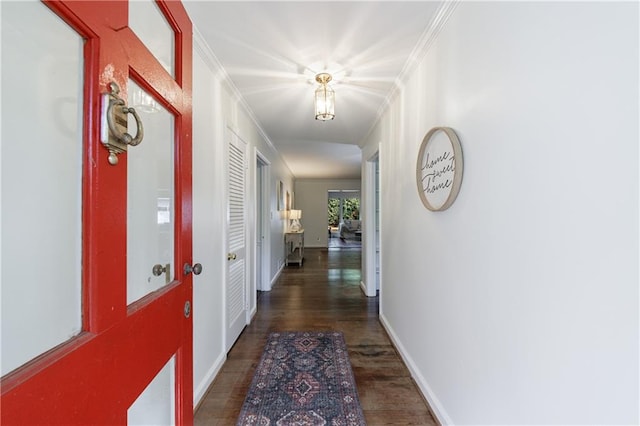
(333, 212)
(350, 210)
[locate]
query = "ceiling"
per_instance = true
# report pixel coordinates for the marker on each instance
(271, 51)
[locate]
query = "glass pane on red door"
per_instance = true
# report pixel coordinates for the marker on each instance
(42, 152)
(151, 26)
(150, 198)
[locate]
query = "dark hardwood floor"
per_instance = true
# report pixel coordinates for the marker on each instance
(323, 294)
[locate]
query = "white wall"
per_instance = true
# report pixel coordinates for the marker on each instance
(311, 196)
(216, 107)
(519, 304)
(208, 219)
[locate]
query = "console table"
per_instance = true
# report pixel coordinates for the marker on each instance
(294, 247)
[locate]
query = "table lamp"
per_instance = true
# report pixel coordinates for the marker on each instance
(295, 216)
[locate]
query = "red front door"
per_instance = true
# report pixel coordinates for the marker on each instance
(97, 376)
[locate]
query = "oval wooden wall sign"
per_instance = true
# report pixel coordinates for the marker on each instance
(439, 168)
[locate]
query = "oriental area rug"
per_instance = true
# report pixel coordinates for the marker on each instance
(303, 379)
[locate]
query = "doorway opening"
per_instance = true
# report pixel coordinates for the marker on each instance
(263, 252)
(344, 227)
(371, 254)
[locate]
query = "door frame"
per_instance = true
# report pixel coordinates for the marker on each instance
(263, 280)
(369, 286)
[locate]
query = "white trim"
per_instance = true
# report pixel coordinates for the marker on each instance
(224, 192)
(363, 287)
(421, 48)
(369, 225)
(277, 275)
(201, 46)
(265, 262)
(434, 403)
(201, 390)
(379, 278)
(207, 55)
(427, 38)
(250, 168)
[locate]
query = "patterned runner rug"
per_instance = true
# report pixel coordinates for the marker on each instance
(303, 378)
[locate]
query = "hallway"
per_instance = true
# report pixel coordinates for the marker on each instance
(322, 295)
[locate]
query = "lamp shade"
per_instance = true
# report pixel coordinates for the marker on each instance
(295, 214)
(325, 98)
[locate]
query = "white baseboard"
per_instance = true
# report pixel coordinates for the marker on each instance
(363, 287)
(276, 276)
(201, 390)
(434, 403)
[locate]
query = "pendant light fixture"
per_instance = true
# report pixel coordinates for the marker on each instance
(325, 98)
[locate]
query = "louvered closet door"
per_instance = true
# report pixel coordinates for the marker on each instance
(236, 286)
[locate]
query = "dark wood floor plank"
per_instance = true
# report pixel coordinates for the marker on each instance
(323, 294)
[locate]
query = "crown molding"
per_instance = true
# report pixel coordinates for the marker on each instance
(200, 45)
(427, 39)
(420, 50)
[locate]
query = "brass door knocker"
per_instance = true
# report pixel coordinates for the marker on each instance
(114, 127)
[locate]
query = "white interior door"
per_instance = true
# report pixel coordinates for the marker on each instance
(236, 285)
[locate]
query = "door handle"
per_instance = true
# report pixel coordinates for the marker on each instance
(231, 256)
(158, 270)
(196, 269)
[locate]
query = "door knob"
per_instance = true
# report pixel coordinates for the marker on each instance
(231, 256)
(158, 270)
(196, 269)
